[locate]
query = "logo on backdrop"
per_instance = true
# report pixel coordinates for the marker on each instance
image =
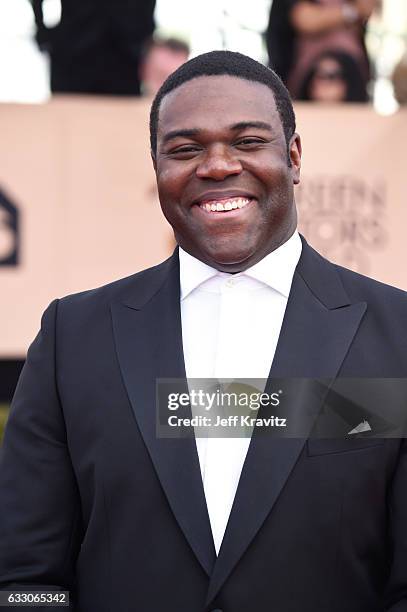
(9, 232)
(344, 217)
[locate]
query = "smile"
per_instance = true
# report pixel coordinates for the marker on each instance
(224, 205)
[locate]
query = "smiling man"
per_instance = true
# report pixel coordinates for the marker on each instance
(94, 502)
(226, 169)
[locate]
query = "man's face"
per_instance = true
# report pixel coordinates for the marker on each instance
(223, 177)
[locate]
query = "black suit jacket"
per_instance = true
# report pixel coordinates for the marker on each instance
(92, 501)
(97, 45)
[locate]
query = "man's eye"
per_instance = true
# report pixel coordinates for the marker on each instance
(249, 141)
(185, 149)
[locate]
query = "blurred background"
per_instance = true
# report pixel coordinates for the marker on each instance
(78, 205)
(25, 37)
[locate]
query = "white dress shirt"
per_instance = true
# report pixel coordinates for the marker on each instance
(230, 328)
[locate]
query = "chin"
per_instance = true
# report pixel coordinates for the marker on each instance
(229, 257)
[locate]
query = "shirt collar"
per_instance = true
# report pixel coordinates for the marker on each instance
(275, 270)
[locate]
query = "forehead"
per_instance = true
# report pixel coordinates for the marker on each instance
(212, 102)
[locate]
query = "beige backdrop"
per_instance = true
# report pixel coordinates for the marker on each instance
(79, 171)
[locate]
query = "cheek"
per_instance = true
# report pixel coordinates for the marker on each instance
(165, 182)
(170, 190)
(279, 204)
(170, 183)
(270, 169)
(278, 182)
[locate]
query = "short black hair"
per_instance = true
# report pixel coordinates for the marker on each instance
(229, 63)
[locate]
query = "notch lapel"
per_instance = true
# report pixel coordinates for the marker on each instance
(148, 336)
(318, 329)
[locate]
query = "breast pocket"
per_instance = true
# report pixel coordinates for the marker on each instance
(349, 444)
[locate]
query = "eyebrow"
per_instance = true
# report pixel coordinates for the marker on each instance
(243, 125)
(236, 127)
(180, 134)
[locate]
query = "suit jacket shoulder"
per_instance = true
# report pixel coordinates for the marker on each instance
(135, 289)
(364, 287)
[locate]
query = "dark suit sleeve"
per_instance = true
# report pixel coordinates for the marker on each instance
(43, 34)
(38, 14)
(133, 23)
(39, 501)
(396, 600)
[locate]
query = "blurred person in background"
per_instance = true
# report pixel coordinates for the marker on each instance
(399, 80)
(160, 58)
(335, 77)
(96, 47)
(299, 31)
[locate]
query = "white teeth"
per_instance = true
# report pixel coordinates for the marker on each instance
(225, 205)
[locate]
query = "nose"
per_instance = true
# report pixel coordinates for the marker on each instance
(218, 163)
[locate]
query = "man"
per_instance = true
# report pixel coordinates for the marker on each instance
(94, 502)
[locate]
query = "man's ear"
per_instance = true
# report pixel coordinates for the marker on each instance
(153, 159)
(295, 152)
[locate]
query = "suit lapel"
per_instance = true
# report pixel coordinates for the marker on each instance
(319, 326)
(147, 330)
(318, 329)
